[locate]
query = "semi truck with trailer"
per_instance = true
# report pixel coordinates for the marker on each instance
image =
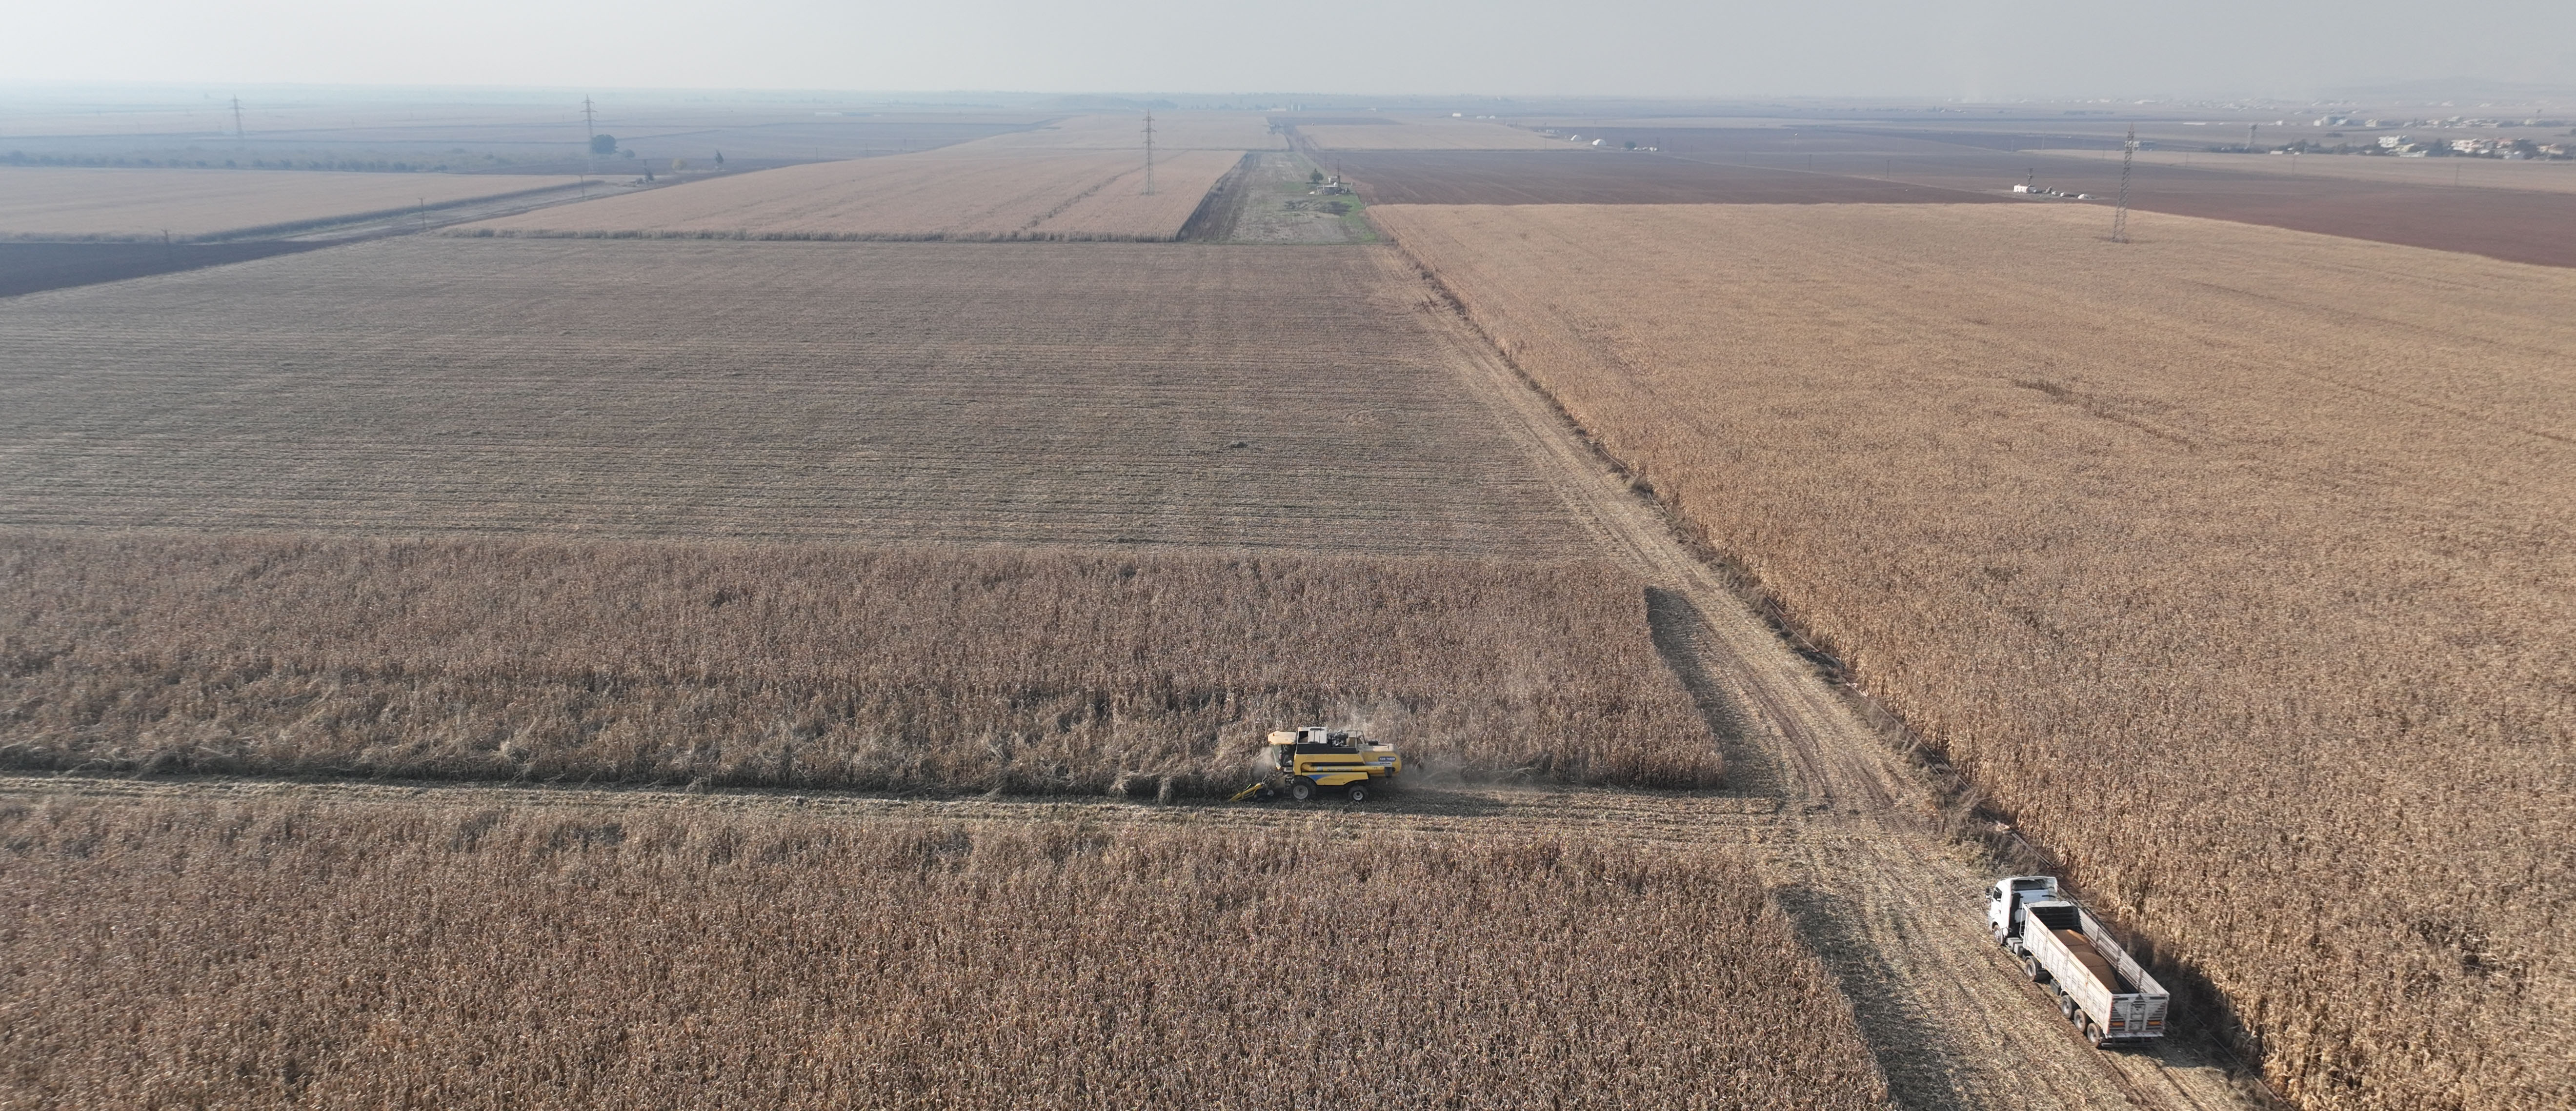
(2098, 987)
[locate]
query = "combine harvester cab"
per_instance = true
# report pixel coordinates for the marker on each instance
(1307, 762)
(2100, 989)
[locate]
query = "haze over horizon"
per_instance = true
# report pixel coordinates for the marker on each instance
(1965, 49)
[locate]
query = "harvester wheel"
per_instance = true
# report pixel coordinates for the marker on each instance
(1301, 789)
(1357, 792)
(1265, 794)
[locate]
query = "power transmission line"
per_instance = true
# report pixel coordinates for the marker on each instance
(2120, 215)
(1149, 152)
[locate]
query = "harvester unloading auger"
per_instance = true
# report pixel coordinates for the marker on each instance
(1303, 763)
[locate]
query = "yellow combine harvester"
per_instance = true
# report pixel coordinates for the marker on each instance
(1307, 762)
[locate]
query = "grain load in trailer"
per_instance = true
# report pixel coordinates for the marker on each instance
(2099, 987)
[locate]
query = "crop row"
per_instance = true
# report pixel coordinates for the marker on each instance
(818, 666)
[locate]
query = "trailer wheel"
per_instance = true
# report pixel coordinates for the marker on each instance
(2093, 1034)
(1357, 792)
(1301, 789)
(2066, 1007)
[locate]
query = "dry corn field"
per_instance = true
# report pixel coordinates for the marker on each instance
(1425, 135)
(54, 202)
(968, 192)
(815, 666)
(892, 393)
(2480, 173)
(2234, 564)
(416, 955)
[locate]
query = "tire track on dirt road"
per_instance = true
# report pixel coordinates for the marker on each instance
(1893, 910)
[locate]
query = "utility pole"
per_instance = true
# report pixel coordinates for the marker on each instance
(237, 121)
(2120, 215)
(590, 136)
(1149, 152)
(2250, 129)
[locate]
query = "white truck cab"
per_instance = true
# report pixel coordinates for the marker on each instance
(2004, 901)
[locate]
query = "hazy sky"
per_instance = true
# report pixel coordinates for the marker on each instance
(1943, 48)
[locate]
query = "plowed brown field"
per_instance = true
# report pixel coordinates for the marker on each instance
(1125, 131)
(2233, 563)
(1099, 393)
(2513, 224)
(54, 202)
(2435, 173)
(1431, 135)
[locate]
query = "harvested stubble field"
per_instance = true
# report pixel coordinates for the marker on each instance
(419, 955)
(2234, 563)
(892, 392)
(1435, 135)
(818, 666)
(54, 202)
(1125, 131)
(1593, 177)
(969, 192)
